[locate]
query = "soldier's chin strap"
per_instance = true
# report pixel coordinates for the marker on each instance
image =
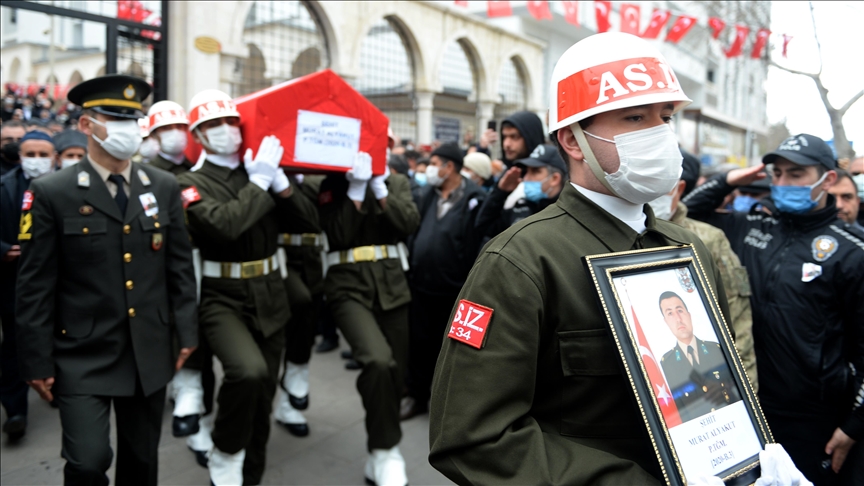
(590, 159)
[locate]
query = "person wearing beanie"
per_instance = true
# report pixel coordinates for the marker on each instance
(443, 251)
(71, 147)
(477, 168)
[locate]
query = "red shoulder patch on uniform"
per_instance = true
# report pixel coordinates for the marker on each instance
(27, 203)
(470, 323)
(325, 197)
(189, 196)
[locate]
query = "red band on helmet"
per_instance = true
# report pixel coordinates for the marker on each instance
(212, 108)
(170, 116)
(614, 81)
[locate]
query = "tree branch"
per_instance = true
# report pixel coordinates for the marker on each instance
(816, 36)
(793, 71)
(851, 102)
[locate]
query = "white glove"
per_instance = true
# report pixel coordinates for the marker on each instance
(262, 169)
(280, 182)
(705, 480)
(378, 186)
(358, 177)
(778, 468)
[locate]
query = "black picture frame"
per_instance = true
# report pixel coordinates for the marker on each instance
(610, 273)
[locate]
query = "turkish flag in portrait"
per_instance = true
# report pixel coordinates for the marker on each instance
(758, 46)
(737, 46)
(658, 20)
(717, 26)
(680, 28)
(539, 10)
(571, 12)
(630, 18)
(602, 11)
(658, 381)
(498, 9)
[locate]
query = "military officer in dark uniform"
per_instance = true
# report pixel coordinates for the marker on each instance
(105, 260)
(168, 124)
(236, 212)
(365, 218)
(695, 369)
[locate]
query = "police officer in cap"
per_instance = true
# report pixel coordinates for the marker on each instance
(103, 246)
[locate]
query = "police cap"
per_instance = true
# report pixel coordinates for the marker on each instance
(542, 156)
(113, 94)
(804, 149)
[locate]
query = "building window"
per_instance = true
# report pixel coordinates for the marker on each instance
(511, 89)
(710, 76)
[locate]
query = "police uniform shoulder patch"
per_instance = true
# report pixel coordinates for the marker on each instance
(823, 247)
(83, 179)
(470, 323)
(145, 179)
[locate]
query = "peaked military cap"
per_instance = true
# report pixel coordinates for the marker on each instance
(113, 94)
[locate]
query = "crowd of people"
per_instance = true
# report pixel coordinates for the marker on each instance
(126, 267)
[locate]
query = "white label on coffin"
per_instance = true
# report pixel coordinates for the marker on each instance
(326, 139)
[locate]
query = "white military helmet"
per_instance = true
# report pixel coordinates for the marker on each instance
(606, 72)
(210, 104)
(166, 113)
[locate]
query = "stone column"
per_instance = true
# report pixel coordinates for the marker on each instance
(423, 101)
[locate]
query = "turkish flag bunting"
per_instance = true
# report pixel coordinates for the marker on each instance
(717, 26)
(658, 20)
(630, 18)
(658, 381)
(571, 12)
(737, 46)
(461, 3)
(680, 28)
(786, 39)
(759, 45)
(602, 11)
(498, 9)
(539, 10)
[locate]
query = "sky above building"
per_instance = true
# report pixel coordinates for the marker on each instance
(794, 97)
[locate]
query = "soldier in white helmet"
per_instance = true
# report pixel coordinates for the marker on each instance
(236, 208)
(168, 125)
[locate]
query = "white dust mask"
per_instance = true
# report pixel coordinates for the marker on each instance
(662, 206)
(224, 139)
(432, 177)
(68, 162)
(650, 164)
(173, 142)
(34, 167)
(149, 148)
(123, 140)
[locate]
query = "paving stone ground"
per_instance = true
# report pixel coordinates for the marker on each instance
(334, 453)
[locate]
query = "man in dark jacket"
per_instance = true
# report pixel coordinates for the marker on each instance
(543, 175)
(807, 277)
(521, 133)
(443, 251)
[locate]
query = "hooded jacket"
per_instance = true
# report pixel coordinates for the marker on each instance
(531, 129)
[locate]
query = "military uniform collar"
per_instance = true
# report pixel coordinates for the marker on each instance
(607, 228)
(216, 171)
(105, 173)
(178, 159)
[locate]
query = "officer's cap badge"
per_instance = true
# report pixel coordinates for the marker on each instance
(823, 247)
(685, 280)
(129, 92)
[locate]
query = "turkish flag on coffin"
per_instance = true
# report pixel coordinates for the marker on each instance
(658, 381)
(333, 120)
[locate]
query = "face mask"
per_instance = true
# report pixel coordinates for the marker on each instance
(466, 174)
(796, 199)
(35, 167)
(650, 164)
(534, 190)
(149, 148)
(68, 162)
(662, 206)
(123, 140)
(420, 178)
(433, 177)
(742, 203)
(224, 139)
(859, 184)
(11, 152)
(173, 142)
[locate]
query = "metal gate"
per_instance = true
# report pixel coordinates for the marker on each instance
(135, 41)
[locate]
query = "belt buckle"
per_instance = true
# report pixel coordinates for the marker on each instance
(286, 239)
(364, 254)
(384, 253)
(226, 269)
(308, 239)
(252, 269)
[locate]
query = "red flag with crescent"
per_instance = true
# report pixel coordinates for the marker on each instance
(498, 9)
(602, 11)
(571, 12)
(539, 10)
(680, 28)
(717, 26)
(658, 20)
(658, 381)
(630, 18)
(758, 46)
(737, 47)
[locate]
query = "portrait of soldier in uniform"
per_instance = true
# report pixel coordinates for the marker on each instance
(696, 370)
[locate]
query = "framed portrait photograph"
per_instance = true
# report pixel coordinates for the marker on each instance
(699, 408)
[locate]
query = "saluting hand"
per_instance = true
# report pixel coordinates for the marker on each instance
(43, 388)
(184, 355)
(745, 177)
(510, 179)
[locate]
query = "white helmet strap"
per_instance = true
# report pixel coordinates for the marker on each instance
(590, 159)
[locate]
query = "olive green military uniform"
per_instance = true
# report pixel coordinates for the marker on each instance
(369, 299)
(162, 163)
(546, 401)
(736, 282)
(96, 290)
(242, 319)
